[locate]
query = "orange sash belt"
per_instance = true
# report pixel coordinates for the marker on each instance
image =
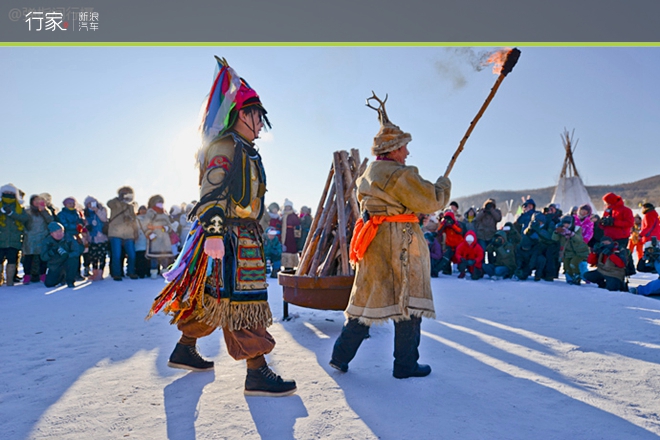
(364, 233)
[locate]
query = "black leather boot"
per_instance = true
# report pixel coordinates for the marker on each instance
(406, 353)
(186, 357)
(347, 344)
(264, 382)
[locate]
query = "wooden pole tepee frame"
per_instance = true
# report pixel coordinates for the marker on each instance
(569, 169)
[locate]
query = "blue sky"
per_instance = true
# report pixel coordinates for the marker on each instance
(86, 120)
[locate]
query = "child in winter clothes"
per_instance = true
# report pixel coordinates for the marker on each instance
(36, 229)
(453, 236)
(62, 253)
(501, 257)
(583, 220)
(273, 251)
(575, 249)
(610, 265)
(470, 256)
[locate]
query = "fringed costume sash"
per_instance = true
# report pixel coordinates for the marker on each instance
(230, 293)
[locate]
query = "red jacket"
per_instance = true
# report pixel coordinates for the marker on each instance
(623, 217)
(650, 226)
(474, 251)
(453, 233)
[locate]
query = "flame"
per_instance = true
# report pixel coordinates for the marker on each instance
(498, 59)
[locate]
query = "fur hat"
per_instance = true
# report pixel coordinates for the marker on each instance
(125, 190)
(155, 199)
(54, 227)
(274, 206)
(586, 207)
(390, 137)
(646, 207)
(9, 188)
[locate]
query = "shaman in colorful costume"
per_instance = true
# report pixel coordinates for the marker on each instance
(392, 277)
(219, 278)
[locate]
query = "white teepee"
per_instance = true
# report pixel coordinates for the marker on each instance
(570, 190)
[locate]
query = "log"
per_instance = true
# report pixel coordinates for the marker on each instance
(341, 214)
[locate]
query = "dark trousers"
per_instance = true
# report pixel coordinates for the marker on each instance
(33, 266)
(66, 271)
(604, 282)
(406, 343)
(142, 265)
(11, 254)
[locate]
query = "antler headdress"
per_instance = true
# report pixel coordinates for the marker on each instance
(390, 137)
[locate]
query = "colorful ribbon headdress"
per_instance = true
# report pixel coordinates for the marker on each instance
(229, 94)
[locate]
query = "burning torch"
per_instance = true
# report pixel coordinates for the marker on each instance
(504, 62)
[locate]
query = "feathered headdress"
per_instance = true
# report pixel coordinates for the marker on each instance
(229, 94)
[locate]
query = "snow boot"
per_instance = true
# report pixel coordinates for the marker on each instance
(11, 272)
(97, 275)
(42, 278)
(186, 357)
(154, 274)
(264, 382)
(26, 279)
(347, 344)
(406, 342)
(461, 275)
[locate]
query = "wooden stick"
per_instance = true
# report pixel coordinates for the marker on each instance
(341, 214)
(319, 209)
(310, 253)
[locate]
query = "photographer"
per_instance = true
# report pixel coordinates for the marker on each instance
(486, 222)
(453, 234)
(650, 261)
(610, 264)
(122, 232)
(576, 251)
(617, 223)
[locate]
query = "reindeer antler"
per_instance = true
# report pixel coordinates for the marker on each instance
(382, 114)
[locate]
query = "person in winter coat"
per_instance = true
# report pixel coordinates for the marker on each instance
(650, 261)
(291, 232)
(122, 232)
(486, 221)
(62, 254)
(635, 244)
(513, 237)
(305, 225)
(501, 257)
(523, 220)
(392, 276)
(36, 229)
(142, 265)
(576, 251)
(273, 251)
(617, 223)
(73, 221)
(470, 256)
(533, 252)
(96, 217)
(435, 247)
(159, 246)
(453, 236)
(13, 220)
(610, 265)
(650, 225)
(598, 231)
(468, 222)
(453, 207)
(583, 220)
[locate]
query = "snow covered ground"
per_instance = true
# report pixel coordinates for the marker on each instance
(511, 360)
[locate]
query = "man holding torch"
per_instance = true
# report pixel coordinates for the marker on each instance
(392, 279)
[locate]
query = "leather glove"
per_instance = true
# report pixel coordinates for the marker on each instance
(214, 247)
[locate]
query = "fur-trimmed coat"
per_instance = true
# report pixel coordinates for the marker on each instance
(393, 281)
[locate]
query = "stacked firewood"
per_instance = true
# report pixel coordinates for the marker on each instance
(326, 250)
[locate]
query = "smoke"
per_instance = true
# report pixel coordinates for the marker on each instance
(459, 61)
